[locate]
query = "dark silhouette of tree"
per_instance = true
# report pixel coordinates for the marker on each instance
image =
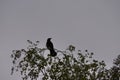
(117, 61)
(115, 70)
(50, 46)
(70, 65)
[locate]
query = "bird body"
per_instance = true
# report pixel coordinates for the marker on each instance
(50, 47)
(49, 44)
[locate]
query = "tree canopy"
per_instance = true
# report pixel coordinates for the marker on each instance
(71, 64)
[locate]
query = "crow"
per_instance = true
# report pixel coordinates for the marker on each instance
(50, 47)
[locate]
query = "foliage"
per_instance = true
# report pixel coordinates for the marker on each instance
(32, 64)
(115, 70)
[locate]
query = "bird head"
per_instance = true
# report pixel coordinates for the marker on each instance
(49, 39)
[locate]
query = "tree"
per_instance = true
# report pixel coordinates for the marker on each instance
(70, 65)
(115, 70)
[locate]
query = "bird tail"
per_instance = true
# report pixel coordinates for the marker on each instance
(53, 53)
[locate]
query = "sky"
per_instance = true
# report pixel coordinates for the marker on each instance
(87, 24)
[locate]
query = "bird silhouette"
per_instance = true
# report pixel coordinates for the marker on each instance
(50, 47)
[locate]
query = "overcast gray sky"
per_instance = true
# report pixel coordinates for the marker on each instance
(86, 24)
